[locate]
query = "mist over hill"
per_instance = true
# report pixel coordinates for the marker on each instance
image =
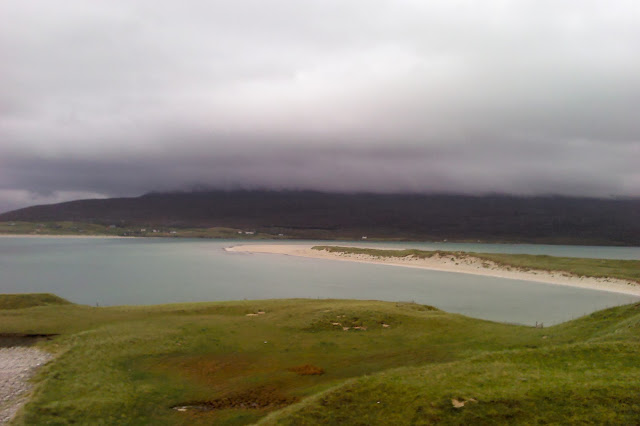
(308, 214)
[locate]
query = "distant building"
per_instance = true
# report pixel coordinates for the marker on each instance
(143, 229)
(364, 237)
(249, 232)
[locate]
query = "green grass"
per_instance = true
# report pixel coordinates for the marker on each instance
(118, 228)
(30, 300)
(583, 384)
(56, 228)
(131, 364)
(420, 254)
(599, 268)
(95, 229)
(581, 372)
(67, 228)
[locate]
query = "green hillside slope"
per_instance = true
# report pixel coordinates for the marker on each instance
(326, 361)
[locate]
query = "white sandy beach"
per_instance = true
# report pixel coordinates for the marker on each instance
(466, 265)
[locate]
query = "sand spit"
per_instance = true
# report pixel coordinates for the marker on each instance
(17, 365)
(465, 265)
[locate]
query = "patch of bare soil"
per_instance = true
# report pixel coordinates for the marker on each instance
(459, 403)
(253, 399)
(10, 340)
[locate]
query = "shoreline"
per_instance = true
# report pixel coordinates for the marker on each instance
(468, 265)
(61, 236)
(17, 366)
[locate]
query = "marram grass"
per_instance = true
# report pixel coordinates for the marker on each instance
(585, 267)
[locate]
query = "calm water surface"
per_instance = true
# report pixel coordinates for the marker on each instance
(150, 271)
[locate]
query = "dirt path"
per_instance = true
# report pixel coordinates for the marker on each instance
(17, 365)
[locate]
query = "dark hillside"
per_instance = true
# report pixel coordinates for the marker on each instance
(408, 216)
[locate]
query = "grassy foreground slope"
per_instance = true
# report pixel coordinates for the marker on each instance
(293, 362)
(587, 267)
(590, 376)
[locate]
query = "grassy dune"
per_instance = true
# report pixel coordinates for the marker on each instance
(579, 384)
(289, 362)
(581, 372)
(20, 301)
(599, 268)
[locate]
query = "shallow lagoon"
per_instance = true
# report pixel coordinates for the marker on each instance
(149, 271)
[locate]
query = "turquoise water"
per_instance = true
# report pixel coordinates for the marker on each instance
(150, 271)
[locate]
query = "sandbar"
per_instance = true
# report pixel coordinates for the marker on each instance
(466, 265)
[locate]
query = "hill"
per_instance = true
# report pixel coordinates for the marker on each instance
(305, 214)
(21, 301)
(327, 362)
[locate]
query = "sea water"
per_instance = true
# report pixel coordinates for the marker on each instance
(101, 271)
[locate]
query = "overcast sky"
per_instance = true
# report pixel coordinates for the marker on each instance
(117, 98)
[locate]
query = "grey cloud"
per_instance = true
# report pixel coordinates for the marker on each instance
(474, 170)
(120, 98)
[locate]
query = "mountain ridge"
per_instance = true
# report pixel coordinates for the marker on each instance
(403, 216)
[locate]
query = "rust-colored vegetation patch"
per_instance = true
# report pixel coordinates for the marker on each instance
(307, 370)
(207, 369)
(260, 398)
